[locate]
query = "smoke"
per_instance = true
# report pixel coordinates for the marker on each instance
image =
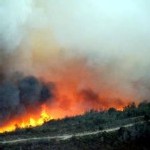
(96, 53)
(20, 94)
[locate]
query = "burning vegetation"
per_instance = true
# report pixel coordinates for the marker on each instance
(27, 101)
(22, 103)
(27, 121)
(71, 62)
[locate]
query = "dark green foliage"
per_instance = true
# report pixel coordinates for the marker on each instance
(112, 110)
(133, 138)
(90, 121)
(124, 138)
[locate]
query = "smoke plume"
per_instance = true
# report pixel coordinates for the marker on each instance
(95, 53)
(18, 95)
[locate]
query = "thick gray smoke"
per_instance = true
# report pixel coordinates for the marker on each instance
(18, 95)
(79, 44)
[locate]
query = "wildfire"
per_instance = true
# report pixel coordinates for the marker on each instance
(73, 91)
(33, 120)
(28, 121)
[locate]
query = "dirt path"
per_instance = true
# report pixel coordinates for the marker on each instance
(65, 136)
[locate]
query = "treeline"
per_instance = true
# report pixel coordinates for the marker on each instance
(90, 121)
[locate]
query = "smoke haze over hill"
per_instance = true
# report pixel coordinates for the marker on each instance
(95, 52)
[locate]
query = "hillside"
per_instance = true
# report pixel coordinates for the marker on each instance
(90, 129)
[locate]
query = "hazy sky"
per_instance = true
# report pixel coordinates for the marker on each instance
(90, 25)
(93, 24)
(96, 54)
(99, 29)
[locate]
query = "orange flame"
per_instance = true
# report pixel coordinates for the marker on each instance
(79, 88)
(28, 121)
(57, 111)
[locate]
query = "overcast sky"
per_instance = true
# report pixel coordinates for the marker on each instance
(96, 28)
(115, 32)
(82, 24)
